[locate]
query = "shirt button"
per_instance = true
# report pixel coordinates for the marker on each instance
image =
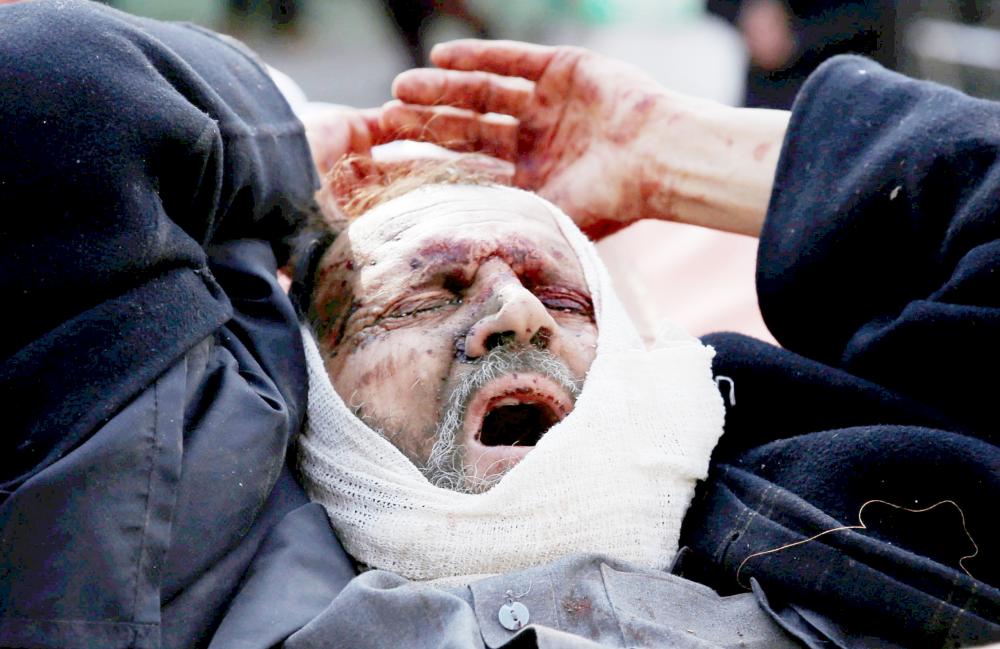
(513, 616)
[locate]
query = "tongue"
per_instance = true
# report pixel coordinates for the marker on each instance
(521, 424)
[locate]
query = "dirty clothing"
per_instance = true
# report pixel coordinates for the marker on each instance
(152, 371)
(580, 602)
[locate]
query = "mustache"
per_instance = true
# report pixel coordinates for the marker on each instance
(445, 466)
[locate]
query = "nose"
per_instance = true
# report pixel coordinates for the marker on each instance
(512, 315)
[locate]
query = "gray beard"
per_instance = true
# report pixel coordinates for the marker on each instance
(446, 465)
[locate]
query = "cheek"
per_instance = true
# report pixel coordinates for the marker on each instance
(397, 379)
(580, 348)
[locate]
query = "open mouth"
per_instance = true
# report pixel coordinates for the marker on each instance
(517, 420)
(508, 416)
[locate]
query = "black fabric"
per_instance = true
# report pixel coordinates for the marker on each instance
(128, 146)
(879, 271)
(152, 369)
(291, 582)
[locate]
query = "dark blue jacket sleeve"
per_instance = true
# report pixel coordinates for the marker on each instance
(881, 250)
(129, 148)
(877, 272)
(153, 375)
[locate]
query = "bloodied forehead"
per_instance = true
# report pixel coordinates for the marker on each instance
(456, 226)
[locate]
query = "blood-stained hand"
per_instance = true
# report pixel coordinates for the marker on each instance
(597, 137)
(337, 131)
(579, 136)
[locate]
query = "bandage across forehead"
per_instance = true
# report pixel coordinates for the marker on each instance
(614, 477)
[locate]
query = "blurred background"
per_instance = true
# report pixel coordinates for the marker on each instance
(347, 51)
(754, 52)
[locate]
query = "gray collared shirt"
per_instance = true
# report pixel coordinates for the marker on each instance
(579, 602)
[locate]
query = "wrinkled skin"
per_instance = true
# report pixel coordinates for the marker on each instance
(411, 296)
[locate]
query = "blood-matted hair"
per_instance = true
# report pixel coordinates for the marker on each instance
(380, 185)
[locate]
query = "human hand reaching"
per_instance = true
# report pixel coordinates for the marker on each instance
(580, 127)
(597, 137)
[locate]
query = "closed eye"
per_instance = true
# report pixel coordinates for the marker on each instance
(565, 300)
(414, 308)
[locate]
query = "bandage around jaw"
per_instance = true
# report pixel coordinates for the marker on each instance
(614, 477)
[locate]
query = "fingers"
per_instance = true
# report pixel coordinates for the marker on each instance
(364, 123)
(335, 132)
(453, 128)
(508, 58)
(482, 92)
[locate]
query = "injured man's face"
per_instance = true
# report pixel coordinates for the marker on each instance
(460, 326)
(459, 321)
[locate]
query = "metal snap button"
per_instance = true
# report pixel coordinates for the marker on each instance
(513, 616)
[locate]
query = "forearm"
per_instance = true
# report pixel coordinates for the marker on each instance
(713, 165)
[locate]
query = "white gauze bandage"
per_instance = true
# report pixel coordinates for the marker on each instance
(615, 476)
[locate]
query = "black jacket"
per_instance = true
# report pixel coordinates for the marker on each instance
(879, 272)
(151, 371)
